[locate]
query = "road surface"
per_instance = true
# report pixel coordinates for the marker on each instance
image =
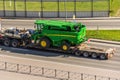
(4, 75)
(95, 64)
(91, 24)
(70, 63)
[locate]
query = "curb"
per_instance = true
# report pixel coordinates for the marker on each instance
(105, 41)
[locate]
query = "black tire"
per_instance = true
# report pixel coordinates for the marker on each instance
(86, 54)
(77, 53)
(94, 55)
(7, 42)
(45, 43)
(70, 51)
(65, 46)
(15, 43)
(102, 56)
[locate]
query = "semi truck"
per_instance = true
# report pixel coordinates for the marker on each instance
(55, 35)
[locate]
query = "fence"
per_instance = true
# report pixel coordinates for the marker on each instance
(50, 73)
(54, 8)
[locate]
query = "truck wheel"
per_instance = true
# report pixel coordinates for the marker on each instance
(94, 55)
(15, 43)
(86, 54)
(44, 43)
(65, 46)
(102, 56)
(7, 42)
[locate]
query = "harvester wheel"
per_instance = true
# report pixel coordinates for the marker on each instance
(15, 43)
(7, 42)
(94, 55)
(44, 43)
(65, 46)
(86, 54)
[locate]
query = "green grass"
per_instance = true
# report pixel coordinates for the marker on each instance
(115, 6)
(52, 6)
(113, 35)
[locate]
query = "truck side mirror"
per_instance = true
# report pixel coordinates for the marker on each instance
(34, 26)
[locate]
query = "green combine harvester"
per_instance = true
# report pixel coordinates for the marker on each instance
(59, 36)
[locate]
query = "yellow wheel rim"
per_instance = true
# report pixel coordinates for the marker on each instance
(43, 43)
(65, 47)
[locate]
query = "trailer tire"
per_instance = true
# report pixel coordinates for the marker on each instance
(86, 54)
(7, 42)
(15, 43)
(44, 43)
(94, 55)
(102, 56)
(77, 53)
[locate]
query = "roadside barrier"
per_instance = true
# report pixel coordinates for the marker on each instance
(49, 73)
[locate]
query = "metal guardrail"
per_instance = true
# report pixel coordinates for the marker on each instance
(49, 73)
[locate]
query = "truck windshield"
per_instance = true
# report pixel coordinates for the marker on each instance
(40, 26)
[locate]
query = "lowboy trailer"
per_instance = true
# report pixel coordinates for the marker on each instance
(59, 36)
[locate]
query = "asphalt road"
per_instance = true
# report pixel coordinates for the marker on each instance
(111, 64)
(91, 24)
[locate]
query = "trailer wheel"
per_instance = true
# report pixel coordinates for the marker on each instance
(7, 42)
(77, 53)
(44, 43)
(65, 46)
(86, 54)
(102, 56)
(70, 51)
(15, 43)
(94, 55)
